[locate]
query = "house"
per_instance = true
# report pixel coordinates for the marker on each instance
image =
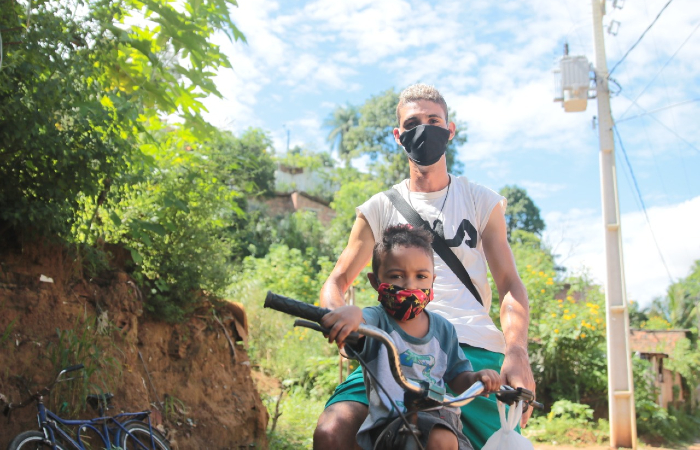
(657, 346)
(284, 203)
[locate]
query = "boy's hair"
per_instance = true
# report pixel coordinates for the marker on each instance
(401, 236)
(419, 92)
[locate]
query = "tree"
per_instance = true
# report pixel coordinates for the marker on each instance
(84, 91)
(245, 162)
(373, 136)
(522, 213)
(340, 122)
(680, 305)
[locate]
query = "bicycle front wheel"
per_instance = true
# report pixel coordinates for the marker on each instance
(31, 440)
(137, 436)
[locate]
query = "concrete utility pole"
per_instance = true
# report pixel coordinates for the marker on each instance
(623, 426)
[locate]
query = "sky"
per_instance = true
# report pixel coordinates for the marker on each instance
(493, 62)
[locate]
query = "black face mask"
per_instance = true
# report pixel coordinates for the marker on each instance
(425, 144)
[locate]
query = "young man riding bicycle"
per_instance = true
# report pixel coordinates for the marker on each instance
(470, 218)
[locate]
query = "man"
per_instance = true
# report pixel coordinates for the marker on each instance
(471, 219)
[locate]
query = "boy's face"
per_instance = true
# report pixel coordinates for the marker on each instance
(406, 267)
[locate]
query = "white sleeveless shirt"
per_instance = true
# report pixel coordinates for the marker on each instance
(467, 210)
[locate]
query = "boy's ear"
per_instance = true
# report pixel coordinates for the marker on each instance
(373, 280)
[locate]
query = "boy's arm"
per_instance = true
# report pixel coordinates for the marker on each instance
(490, 378)
(342, 321)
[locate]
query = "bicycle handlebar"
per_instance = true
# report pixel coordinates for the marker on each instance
(314, 313)
(42, 392)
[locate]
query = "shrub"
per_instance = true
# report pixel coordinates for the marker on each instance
(567, 423)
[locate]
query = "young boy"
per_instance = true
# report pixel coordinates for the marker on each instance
(402, 274)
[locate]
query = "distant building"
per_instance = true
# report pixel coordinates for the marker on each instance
(294, 191)
(657, 346)
(285, 203)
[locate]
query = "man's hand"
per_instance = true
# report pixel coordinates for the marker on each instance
(516, 372)
(342, 321)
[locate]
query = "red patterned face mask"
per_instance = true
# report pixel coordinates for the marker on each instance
(403, 304)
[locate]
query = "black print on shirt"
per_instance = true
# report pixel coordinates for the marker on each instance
(465, 228)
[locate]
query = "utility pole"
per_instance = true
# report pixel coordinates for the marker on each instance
(623, 426)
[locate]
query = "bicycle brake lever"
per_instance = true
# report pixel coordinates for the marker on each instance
(352, 338)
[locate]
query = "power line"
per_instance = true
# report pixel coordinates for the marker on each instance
(661, 70)
(640, 38)
(641, 200)
(691, 145)
(658, 109)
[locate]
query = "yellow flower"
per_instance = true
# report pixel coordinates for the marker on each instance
(554, 315)
(568, 297)
(316, 303)
(550, 282)
(566, 310)
(529, 266)
(567, 317)
(541, 273)
(561, 306)
(543, 291)
(573, 316)
(583, 335)
(556, 330)
(560, 300)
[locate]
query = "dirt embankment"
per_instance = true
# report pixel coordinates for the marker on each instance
(195, 376)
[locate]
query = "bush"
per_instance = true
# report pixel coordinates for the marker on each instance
(567, 423)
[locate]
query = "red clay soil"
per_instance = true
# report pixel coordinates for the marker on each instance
(213, 402)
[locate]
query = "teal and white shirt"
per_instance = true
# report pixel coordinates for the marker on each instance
(436, 358)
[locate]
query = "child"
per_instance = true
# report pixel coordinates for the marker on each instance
(402, 274)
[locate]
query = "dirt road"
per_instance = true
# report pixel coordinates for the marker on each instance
(695, 446)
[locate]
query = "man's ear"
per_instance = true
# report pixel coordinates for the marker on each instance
(397, 136)
(453, 129)
(373, 280)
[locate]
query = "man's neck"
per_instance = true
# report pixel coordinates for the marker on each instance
(429, 179)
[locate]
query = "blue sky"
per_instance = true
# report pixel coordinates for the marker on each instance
(492, 61)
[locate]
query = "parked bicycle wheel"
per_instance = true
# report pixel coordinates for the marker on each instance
(31, 440)
(140, 432)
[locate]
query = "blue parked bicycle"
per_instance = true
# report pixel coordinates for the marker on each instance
(127, 431)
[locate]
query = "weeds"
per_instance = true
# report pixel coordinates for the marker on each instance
(80, 345)
(174, 408)
(567, 422)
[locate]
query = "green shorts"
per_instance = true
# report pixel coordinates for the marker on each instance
(480, 418)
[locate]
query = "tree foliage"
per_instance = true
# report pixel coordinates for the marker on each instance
(86, 87)
(679, 307)
(521, 213)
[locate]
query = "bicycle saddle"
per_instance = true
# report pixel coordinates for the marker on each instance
(94, 400)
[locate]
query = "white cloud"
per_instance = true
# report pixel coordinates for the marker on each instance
(675, 229)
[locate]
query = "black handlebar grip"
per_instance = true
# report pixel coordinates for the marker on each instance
(294, 307)
(73, 368)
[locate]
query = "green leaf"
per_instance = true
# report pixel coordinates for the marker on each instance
(115, 218)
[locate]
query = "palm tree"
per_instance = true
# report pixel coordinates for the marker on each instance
(340, 122)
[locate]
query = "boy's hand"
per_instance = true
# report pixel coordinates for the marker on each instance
(342, 321)
(490, 378)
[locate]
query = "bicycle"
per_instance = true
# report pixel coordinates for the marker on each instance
(125, 430)
(418, 397)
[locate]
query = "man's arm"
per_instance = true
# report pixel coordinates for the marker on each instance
(515, 311)
(351, 262)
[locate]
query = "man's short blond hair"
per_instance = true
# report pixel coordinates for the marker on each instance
(419, 92)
